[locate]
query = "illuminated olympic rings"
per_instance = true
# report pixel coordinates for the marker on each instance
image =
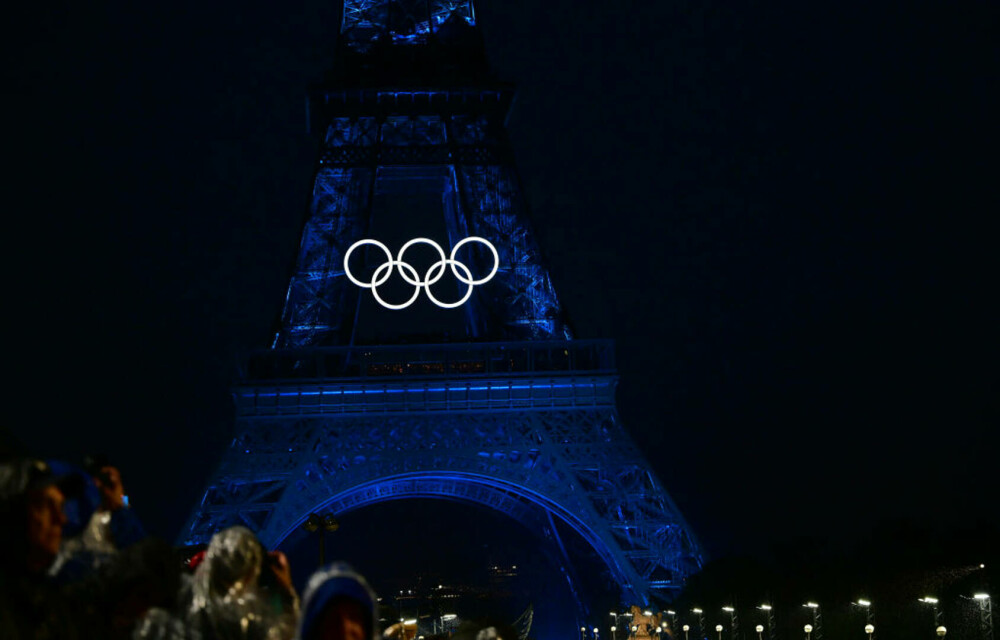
(434, 273)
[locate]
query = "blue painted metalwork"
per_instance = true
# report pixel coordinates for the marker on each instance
(521, 419)
(400, 22)
(482, 197)
(319, 293)
(524, 301)
(527, 428)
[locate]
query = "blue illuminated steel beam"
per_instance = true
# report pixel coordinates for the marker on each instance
(526, 424)
(409, 22)
(482, 198)
(529, 443)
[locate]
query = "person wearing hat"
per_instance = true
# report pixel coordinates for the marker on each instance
(338, 604)
(111, 527)
(31, 524)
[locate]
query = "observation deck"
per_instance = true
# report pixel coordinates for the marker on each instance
(427, 377)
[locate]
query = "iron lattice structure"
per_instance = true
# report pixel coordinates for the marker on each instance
(521, 418)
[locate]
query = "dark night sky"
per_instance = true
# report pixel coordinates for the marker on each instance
(779, 213)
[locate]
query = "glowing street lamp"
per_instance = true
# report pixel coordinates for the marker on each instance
(808, 629)
(718, 629)
(583, 633)
(817, 620)
(869, 613)
(769, 618)
(869, 629)
(760, 631)
(941, 631)
(613, 629)
(933, 602)
(985, 615)
(701, 621)
(596, 632)
(733, 621)
(685, 629)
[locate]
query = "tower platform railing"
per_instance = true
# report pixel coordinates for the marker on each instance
(483, 359)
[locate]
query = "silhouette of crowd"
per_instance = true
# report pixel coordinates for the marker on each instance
(72, 573)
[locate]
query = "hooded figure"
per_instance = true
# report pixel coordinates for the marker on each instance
(338, 605)
(229, 600)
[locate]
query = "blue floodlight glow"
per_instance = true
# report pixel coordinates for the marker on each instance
(377, 391)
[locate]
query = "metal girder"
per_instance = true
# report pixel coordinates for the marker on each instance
(519, 303)
(366, 22)
(523, 301)
(527, 427)
(575, 463)
(319, 292)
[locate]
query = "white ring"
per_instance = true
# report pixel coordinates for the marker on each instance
(347, 269)
(388, 266)
(399, 259)
(434, 273)
(468, 292)
(496, 260)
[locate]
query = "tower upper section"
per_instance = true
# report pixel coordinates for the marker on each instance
(409, 44)
(414, 148)
(368, 23)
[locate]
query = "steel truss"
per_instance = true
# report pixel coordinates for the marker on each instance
(556, 449)
(367, 22)
(476, 170)
(525, 424)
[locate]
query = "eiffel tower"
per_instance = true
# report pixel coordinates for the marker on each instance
(517, 415)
